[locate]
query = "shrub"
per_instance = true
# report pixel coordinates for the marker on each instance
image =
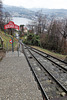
(32, 39)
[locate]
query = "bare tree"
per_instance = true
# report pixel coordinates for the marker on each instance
(1, 15)
(39, 25)
(1, 10)
(7, 17)
(54, 41)
(63, 31)
(41, 22)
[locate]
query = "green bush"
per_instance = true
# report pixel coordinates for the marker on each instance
(0, 45)
(32, 39)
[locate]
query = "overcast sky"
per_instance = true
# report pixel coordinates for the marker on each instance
(38, 3)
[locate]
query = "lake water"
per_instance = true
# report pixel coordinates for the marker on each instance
(21, 21)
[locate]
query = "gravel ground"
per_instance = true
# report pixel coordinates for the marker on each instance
(16, 79)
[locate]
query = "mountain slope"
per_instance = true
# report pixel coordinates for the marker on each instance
(61, 13)
(32, 13)
(19, 11)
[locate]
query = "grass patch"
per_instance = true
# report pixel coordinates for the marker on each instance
(6, 41)
(57, 55)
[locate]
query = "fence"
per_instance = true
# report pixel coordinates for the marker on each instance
(8, 45)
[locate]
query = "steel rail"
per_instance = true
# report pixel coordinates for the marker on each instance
(50, 73)
(42, 90)
(50, 60)
(49, 55)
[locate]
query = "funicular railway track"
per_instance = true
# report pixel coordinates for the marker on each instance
(51, 79)
(59, 71)
(53, 59)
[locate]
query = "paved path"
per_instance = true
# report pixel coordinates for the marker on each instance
(16, 79)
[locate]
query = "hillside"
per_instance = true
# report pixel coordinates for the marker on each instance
(19, 12)
(6, 39)
(32, 13)
(58, 13)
